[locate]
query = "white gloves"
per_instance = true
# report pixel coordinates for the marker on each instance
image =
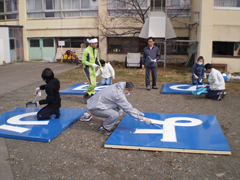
(95, 65)
(38, 92)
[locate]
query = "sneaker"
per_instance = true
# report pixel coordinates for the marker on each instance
(155, 87)
(220, 96)
(85, 117)
(224, 94)
(148, 88)
(104, 131)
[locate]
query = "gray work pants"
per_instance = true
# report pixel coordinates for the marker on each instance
(111, 116)
(154, 76)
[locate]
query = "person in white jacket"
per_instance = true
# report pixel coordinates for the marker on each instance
(216, 83)
(107, 71)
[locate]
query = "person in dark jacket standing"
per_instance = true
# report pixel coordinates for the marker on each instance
(198, 71)
(53, 100)
(149, 61)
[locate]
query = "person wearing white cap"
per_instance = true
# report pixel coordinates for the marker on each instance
(90, 61)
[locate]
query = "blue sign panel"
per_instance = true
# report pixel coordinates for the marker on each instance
(171, 132)
(80, 89)
(22, 123)
(169, 88)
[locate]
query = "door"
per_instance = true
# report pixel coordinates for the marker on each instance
(13, 52)
(35, 49)
(42, 49)
(48, 49)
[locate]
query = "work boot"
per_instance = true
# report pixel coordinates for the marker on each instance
(104, 131)
(85, 97)
(148, 88)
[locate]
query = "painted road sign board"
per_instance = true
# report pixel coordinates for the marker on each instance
(171, 88)
(22, 123)
(171, 132)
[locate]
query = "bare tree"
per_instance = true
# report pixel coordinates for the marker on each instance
(126, 17)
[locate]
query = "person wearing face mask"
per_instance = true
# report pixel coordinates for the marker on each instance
(110, 103)
(216, 84)
(198, 71)
(53, 100)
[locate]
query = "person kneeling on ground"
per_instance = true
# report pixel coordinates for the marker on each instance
(108, 73)
(216, 83)
(110, 103)
(53, 100)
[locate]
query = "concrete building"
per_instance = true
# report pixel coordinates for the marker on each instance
(38, 25)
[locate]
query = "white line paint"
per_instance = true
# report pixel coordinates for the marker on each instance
(190, 87)
(13, 128)
(16, 120)
(168, 131)
(84, 87)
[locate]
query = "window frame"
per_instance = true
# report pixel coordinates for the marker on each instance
(62, 11)
(6, 13)
(224, 55)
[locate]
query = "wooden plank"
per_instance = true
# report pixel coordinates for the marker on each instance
(168, 150)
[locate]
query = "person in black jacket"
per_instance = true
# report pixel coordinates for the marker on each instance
(149, 61)
(53, 100)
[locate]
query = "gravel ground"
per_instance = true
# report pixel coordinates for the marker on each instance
(78, 152)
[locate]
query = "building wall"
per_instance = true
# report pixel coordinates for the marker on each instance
(216, 24)
(4, 46)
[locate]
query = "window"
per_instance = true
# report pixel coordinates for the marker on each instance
(12, 44)
(175, 2)
(38, 9)
(34, 43)
(172, 7)
(125, 8)
(72, 42)
(223, 48)
(8, 9)
(227, 3)
(52, 4)
(48, 43)
(122, 45)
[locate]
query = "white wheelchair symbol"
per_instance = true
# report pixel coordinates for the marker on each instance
(168, 131)
(15, 120)
(179, 87)
(84, 87)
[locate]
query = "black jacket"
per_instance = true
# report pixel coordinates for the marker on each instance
(53, 99)
(150, 53)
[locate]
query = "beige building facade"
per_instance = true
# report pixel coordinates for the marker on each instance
(213, 25)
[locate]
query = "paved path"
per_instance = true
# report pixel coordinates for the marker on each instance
(12, 77)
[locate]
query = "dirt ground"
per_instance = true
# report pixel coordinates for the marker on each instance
(78, 152)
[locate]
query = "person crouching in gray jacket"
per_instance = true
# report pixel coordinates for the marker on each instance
(110, 103)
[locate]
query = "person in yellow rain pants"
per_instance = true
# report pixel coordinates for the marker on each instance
(90, 61)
